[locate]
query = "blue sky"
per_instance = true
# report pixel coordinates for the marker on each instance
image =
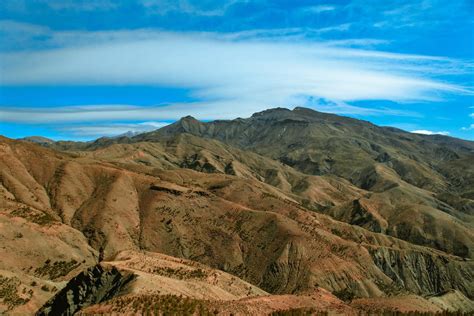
(84, 69)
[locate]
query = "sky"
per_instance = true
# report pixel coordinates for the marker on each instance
(79, 70)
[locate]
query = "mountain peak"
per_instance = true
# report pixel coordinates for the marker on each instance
(38, 139)
(300, 109)
(272, 113)
(272, 110)
(188, 122)
(284, 113)
(188, 118)
(298, 113)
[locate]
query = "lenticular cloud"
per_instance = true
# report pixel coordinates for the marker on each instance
(217, 68)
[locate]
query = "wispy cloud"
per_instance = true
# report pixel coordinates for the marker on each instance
(218, 68)
(203, 8)
(427, 132)
(80, 5)
(59, 5)
(111, 129)
(319, 8)
(295, 33)
(15, 34)
(205, 110)
(469, 128)
(109, 112)
(410, 13)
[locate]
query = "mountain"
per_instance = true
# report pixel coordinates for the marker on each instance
(428, 178)
(38, 139)
(286, 211)
(127, 134)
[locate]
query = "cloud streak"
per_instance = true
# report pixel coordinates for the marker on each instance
(216, 68)
(111, 129)
(428, 132)
(206, 110)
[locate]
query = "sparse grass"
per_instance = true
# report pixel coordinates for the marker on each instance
(344, 295)
(303, 311)
(217, 186)
(165, 189)
(57, 269)
(416, 313)
(34, 216)
(9, 292)
(180, 273)
(157, 305)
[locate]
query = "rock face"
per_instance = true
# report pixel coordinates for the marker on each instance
(287, 202)
(93, 286)
(423, 273)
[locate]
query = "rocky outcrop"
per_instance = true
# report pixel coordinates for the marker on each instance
(289, 271)
(357, 213)
(92, 286)
(424, 273)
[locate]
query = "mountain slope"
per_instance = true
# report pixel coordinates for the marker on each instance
(417, 174)
(240, 225)
(387, 220)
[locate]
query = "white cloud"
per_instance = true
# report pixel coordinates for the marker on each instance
(201, 110)
(471, 126)
(23, 6)
(197, 8)
(97, 130)
(223, 68)
(80, 5)
(319, 8)
(231, 77)
(357, 42)
(427, 132)
(335, 28)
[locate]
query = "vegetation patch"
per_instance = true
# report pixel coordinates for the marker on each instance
(56, 269)
(165, 189)
(416, 313)
(157, 305)
(344, 295)
(34, 216)
(180, 273)
(9, 292)
(303, 311)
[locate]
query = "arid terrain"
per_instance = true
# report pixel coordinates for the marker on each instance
(287, 212)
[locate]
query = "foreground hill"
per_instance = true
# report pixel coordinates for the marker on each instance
(290, 235)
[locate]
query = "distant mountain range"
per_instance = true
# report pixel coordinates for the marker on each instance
(288, 211)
